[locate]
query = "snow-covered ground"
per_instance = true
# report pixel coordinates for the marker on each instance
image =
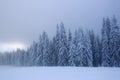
(58, 73)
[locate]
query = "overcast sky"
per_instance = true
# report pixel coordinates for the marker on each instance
(23, 20)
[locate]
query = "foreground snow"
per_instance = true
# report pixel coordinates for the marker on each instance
(58, 73)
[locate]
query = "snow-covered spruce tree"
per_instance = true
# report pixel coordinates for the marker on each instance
(1, 59)
(1, 56)
(45, 49)
(33, 54)
(21, 57)
(52, 54)
(110, 43)
(7, 58)
(69, 46)
(80, 52)
(73, 51)
(95, 46)
(42, 50)
(26, 58)
(98, 51)
(39, 54)
(12, 60)
(114, 43)
(69, 39)
(17, 57)
(56, 41)
(87, 57)
(63, 50)
(106, 55)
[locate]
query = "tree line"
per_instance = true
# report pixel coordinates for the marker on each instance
(81, 48)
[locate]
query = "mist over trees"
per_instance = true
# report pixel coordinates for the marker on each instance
(81, 48)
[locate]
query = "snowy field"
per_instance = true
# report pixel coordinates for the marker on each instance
(58, 73)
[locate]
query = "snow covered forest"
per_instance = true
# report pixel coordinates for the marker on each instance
(68, 48)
